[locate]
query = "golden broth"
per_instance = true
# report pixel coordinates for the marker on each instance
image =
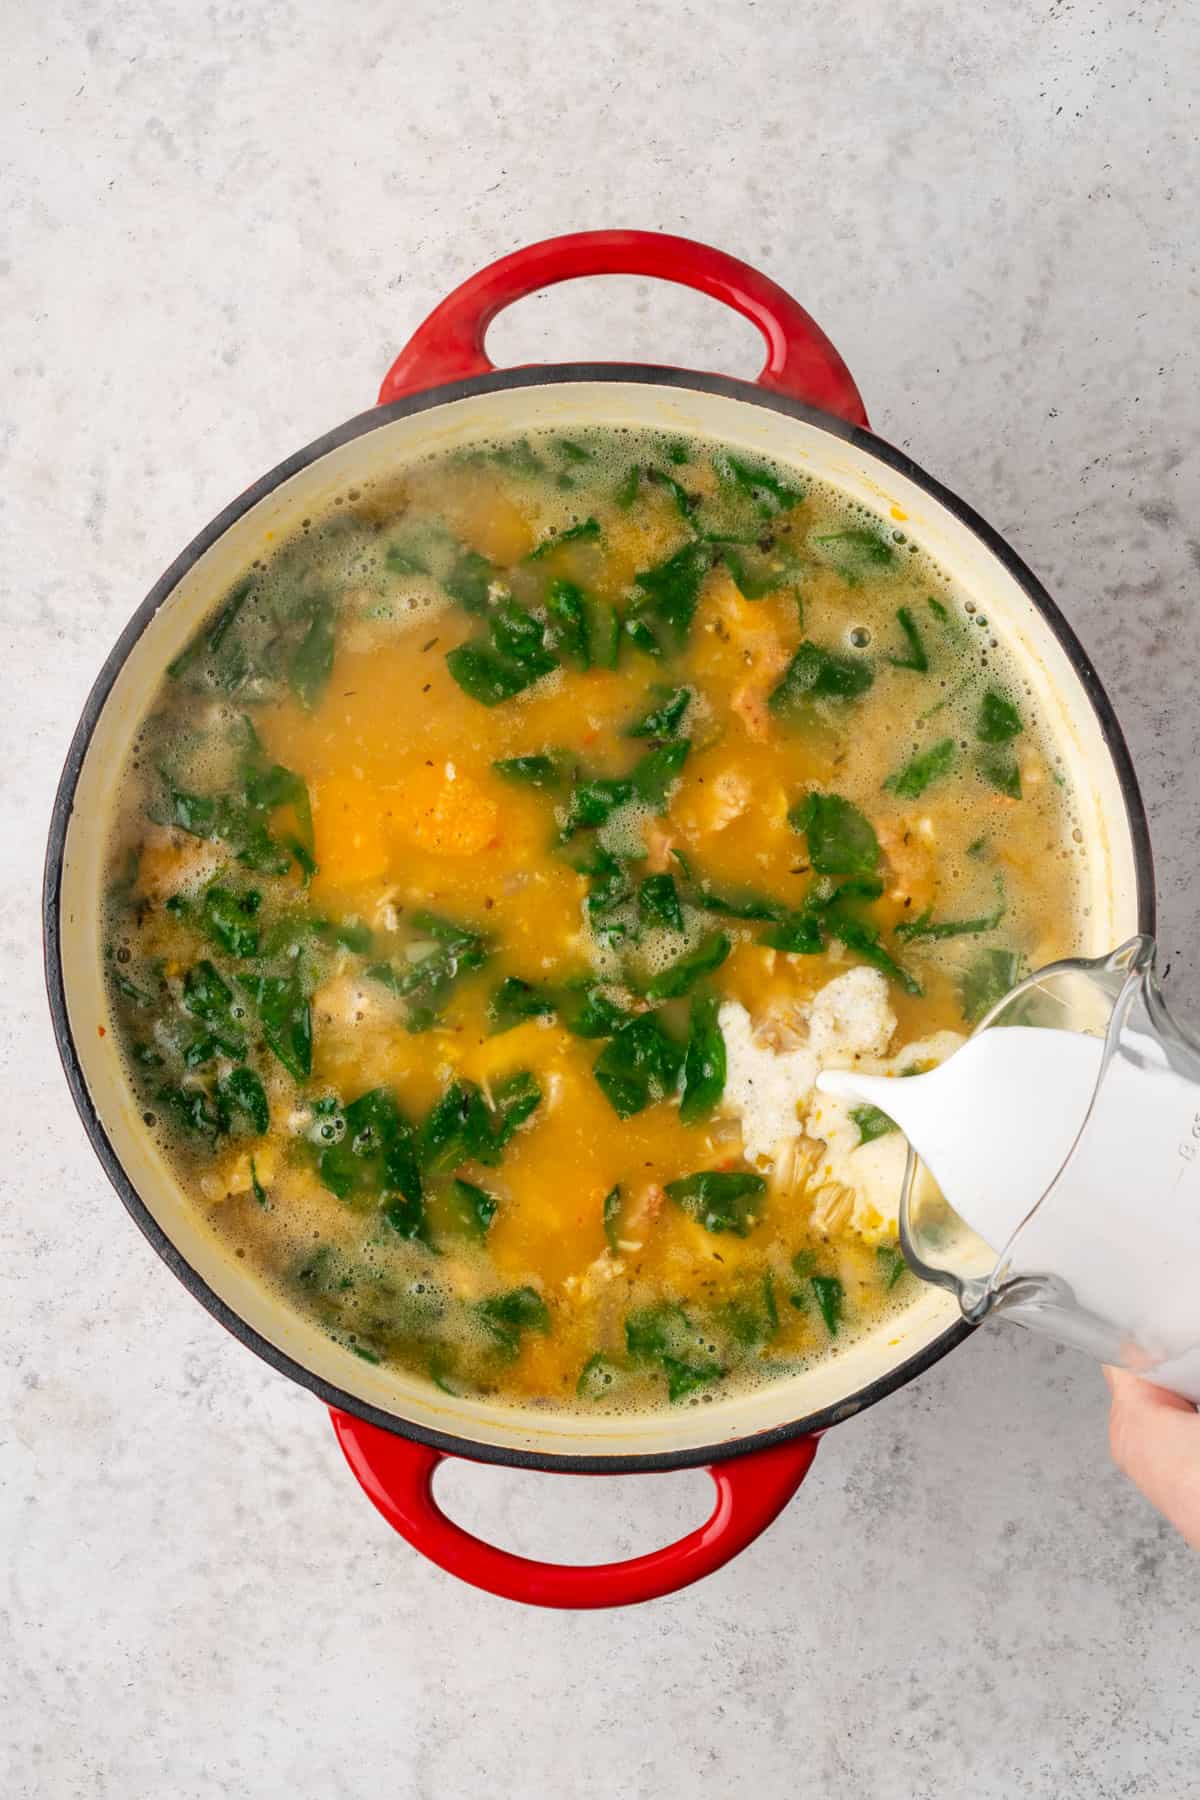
(376, 992)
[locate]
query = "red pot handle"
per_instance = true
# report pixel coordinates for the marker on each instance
(801, 361)
(397, 1477)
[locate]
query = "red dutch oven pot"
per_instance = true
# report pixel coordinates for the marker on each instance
(442, 391)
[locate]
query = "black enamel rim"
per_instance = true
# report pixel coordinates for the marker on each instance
(543, 376)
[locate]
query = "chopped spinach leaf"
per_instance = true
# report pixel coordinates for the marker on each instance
(769, 492)
(704, 1064)
(797, 934)
(719, 1200)
(206, 996)
(609, 885)
(193, 1109)
(683, 1378)
(743, 905)
(872, 1123)
(986, 979)
(863, 939)
(311, 662)
(658, 902)
(856, 552)
(593, 802)
(665, 598)
(519, 456)
(458, 1124)
(283, 1013)
(640, 1065)
(818, 674)
(587, 531)
(751, 1318)
(474, 1208)
(664, 1335)
(202, 657)
(243, 1092)
(603, 633)
(681, 976)
(654, 1331)
(654, 776)
(240, 819)
(462, 1127)
(831, 1299)
(597, 1376)
(371, 1159)
(210, 1045)
(534, 771)
(510, 1315)
(685, 502)
(130, 991)
(515, 1000)
(490, 676)
(567, 633)
(1001, 770)
(469, 580)
(998, 719)
(587, 1012)
(841, 840)
(662, 720)
(925, 927)
(890, 1262)
(628, 488)
(228, 919)
(757, 571)
(426, 985)
(928, 766)
(915, 656)
(514, 1100)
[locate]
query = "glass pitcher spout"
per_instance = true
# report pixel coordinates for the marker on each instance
(1107, 1257)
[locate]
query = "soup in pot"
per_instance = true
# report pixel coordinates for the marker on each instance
(498, 866)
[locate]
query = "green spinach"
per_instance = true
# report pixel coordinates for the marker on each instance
(841, 840)
(704, 1064)
(640, 1065)
(720, 1200)
(928, 766)
(818, 674)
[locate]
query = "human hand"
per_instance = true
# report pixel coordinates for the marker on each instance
(1155, 1440)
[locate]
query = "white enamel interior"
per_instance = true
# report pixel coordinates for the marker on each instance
(804, 446)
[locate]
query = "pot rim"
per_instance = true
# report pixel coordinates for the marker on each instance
(537, 375)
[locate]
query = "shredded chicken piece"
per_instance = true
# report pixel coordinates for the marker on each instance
(171, 862)
(386, 914)
(795, 1162)
(345, 1002)
(908, 845)
(832, 1208)
(659, 845)
(784, 1026)
(642, 1215)
(730, 795)
(749, 702)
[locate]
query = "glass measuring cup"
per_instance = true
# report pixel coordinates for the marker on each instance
(1108, 1258)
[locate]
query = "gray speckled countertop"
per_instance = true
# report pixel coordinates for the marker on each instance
(216, 225)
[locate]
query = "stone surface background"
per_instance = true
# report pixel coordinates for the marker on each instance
(217, 224)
